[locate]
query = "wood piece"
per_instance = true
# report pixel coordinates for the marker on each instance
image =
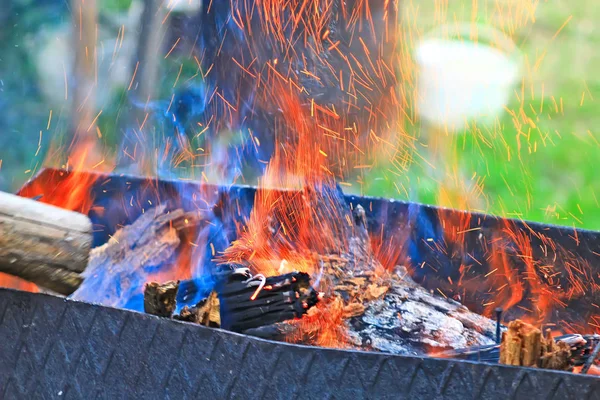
(50, 247)
(161, 299)
(523, 345)
(46, 245)
(119, 269)
(248, 302)
(558, 358)
(207, 312)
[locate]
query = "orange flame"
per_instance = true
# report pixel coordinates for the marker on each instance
(289, 226)
(71, 193)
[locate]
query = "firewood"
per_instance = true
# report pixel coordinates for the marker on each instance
(43, 244)
(50, 247)
(209, 311)
(119, 269)
(523, 345)
(510, 353)
(382, 310)
(206, 312)
(160, 299)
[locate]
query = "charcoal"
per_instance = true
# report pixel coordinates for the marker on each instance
(249, 302)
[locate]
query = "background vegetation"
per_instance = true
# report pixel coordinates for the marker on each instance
(537, 164)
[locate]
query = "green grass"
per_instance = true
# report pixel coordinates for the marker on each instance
(551, 175)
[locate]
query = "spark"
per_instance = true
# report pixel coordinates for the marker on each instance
(137, 64)
(94, 121)
(66, 82)
(561, 27)
(172, 48)
(49, 120)
(39, 145)
(178, 75)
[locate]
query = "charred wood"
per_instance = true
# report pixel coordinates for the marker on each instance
(207, 312)
(248, 302)
(524, 345)
(161, 299)
(119, 269)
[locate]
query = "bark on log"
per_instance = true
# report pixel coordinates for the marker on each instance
(161, 299)
(46, 245)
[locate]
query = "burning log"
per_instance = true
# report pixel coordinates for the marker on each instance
(407, 318)
(118, 269)
(50, 247)
(161, 299)
(43, 244)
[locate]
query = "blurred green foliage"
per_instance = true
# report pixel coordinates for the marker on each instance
(546, 173)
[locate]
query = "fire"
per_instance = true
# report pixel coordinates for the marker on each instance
(71, 190)
(323, 326)
(296, 215)
(295, 219)
(74, 191)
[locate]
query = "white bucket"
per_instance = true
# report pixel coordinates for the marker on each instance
(463, 80)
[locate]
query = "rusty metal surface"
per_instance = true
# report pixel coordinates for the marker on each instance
(55, 348)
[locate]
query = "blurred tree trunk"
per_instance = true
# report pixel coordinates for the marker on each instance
(143, 85)
(84, 151)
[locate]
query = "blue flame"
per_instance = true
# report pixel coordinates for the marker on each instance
(426, 233)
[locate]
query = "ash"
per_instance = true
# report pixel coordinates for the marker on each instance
(411, 320)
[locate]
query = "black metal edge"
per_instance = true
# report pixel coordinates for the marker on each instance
(58, 348)
(351, 198)
(402, 227)
(552, 230)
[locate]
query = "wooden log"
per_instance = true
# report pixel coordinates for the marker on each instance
(119, 269)
(50, 247)
(523, 345)
(161, 299)
(46, 245)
